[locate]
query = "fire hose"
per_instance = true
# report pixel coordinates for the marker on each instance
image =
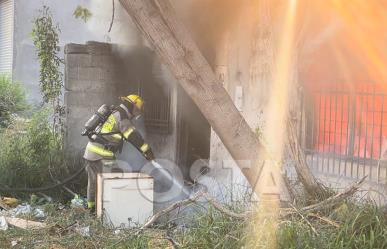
(41, 189)
(70, 178)
(57, 185)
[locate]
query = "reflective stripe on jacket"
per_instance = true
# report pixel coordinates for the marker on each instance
(96, 148)
(96, 151)
(115, 123)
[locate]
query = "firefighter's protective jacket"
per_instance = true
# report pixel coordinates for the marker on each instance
(119, 122)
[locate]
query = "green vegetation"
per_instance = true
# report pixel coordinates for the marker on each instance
(353, 227)
(359, 226)
(45, 35)
(12, 99)
(31, 151)
(28, 149)
(82, 13)
(210, 229)
(32, 155)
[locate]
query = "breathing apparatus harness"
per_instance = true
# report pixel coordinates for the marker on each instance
(94, 125)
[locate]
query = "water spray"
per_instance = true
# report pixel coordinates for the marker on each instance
(170, 177)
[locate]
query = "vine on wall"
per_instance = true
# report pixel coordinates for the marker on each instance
(45, 35)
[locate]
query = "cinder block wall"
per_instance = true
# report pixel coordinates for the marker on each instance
(95, 74)
(90, 81)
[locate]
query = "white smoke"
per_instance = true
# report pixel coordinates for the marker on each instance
(139, 61)
(123, 31)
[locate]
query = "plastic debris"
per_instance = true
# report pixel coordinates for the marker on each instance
(14, 243)
(61, 206)
(78, 202)
(39, 213)
(22, 210)
(26, 209)
(3, 224)
(83, 231)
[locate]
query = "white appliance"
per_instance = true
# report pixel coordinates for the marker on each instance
(124, 199)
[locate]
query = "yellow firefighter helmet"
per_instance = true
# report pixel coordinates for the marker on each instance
(135, 100)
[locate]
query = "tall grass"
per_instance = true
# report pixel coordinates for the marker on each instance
(28, 149)
(212, 229)
(359, 226)
(12, 99)
(31, 154)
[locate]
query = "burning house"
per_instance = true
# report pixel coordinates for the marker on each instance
(338, 102)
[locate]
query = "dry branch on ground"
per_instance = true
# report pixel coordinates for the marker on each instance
(24, 224)
(172, 207)
(284, 212)
(303, 170)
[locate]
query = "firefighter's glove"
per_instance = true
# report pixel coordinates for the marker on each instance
(149, 155)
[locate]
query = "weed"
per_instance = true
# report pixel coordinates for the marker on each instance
(31, 153)
(360, 227)
(12, 99)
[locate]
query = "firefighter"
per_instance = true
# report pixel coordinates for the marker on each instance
(107, 129)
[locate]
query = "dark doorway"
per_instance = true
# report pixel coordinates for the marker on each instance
(194, 134)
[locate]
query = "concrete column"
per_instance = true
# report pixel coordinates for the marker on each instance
(90, 81)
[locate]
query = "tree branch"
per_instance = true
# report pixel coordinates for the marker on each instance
(112, 20)
(172, 207)
(331, 201)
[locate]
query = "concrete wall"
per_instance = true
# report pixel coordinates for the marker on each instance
(91, 77)
(96, 74)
